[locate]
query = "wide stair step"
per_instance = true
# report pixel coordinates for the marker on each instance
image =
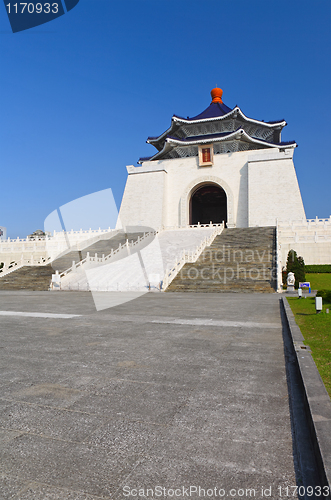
(28, 278)
(238, 260)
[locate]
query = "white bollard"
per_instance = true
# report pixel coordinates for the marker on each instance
(318, 304)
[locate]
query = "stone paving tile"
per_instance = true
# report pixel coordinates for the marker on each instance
(214, 306)
(47, 394)
(65, 302)
(35, 491)
(253, 417)
(247, 452)
(109, 399)
(127, 436)
(173, 472)
(8, 435)
(135, 408)
(4, 404)
(61, 424)
(264, 379)
(171, 373)
(81, 467)
(115, 387)
(30, 373)
(10, 486)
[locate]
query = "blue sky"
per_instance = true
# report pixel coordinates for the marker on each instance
(80, 95)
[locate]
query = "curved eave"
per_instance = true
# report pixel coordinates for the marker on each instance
(167, 147)
(235, 110)
(153, 140)
(239, 134)
(176, 120)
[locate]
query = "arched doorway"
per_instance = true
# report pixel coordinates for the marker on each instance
(208, 204)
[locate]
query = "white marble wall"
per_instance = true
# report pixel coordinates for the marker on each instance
(260, 186)
(273, 190)
(311, 239)
(143, 202)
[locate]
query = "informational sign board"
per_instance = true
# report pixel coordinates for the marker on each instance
(3, 233)
(304, 284)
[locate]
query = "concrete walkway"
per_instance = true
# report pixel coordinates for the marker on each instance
(176, 391)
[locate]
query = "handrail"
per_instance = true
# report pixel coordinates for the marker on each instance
(190, 256)
(95, 232)
(61, 234)
(88, 259)
(103, 259)
(304, 223)
(56, 234)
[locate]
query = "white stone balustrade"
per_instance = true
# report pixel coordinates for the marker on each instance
(50, 247)
(310, 238)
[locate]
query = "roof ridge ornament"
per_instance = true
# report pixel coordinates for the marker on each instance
(216, 95)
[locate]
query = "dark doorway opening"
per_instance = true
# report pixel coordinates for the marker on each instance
(208, 204)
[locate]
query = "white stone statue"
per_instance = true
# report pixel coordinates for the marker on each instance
(290, 281)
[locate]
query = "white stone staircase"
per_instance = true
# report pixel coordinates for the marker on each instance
(139, 266)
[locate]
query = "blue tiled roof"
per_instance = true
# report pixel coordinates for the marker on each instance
(275, 121)
(214, 136)
(215, 109)
(286, 143)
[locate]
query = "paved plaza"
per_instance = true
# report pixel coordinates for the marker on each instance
(171, 391)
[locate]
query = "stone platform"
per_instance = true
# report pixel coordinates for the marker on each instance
(170, 390)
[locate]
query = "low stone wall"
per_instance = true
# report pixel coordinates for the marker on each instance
(317, 400)
(310, 238)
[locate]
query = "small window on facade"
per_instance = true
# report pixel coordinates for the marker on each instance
(206, 155)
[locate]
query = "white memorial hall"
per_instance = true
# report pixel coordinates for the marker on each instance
(219, 165)
(216, 207)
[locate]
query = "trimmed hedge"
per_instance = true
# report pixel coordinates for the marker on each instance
(318, 268)
(325, 294)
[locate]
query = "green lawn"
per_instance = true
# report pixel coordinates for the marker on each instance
(319, 281)
(316, 329)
